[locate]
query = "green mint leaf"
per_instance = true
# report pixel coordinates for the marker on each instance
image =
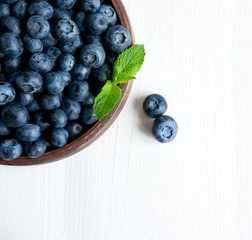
(128, 63)
(107, 99)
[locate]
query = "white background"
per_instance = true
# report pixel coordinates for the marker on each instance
(127, 186)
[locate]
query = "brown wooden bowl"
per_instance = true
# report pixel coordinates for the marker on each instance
(99, 128)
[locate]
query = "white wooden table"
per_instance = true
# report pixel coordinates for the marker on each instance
(127, 186)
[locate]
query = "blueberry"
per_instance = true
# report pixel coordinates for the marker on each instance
(28, 132)
(38, 27)
(15, 115)
(66, 30)
(19, 9)
(65, 76)
(40, 119)
(4, 9)
(10, 149)
(101, 74)
(33, 106)
(11, 45)
(92, 55)
(78, 90)
(54, 53)
(49, 40)
(29, 81)
(164, 129)
(65, 4)
(97, 23)
(35, 149)
(10, 24)
(31, 44)
(41, 63)
(41, 8)
(11, 65)
(50, 101)
(109, 13)
(60, 14)
(66, 62)
(59, 137)
(7, 93)
(154, 105)
(89, 100)
(80, 72)
(117, 39)
(57, 118)
(90, 6)
(80, 20)
(71, 47)
(72, 108)
(25, 98)
(90, 38)
(54, 83)
(87, 115)
(74, 129)
(4, 129)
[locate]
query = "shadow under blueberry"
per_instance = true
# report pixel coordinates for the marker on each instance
(145, 123)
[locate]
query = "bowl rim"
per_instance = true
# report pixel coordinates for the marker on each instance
(99, 128)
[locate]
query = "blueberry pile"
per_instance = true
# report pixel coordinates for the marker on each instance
(55, 56)
(164, 127)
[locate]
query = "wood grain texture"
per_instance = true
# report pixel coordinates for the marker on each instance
(100, 127)
(127, 186)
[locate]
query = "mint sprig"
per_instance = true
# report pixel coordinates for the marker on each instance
(126, 66)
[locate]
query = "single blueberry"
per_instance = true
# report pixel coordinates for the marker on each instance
(74, 129)
(89, 100)
(65, 4)
(41, 8)
(35, 149)
(19, 9)
(57, 118)
(24, 98)
(15, 115)
(34, 105)
(38, 27)
(87, 115)
(109, 13)
(10, 24)
(78, 91)
(7, 93)
(101, 74)
(71, 47)
(49, 40)
(90, 6)
(90, 38)
(164, 129)
(10, 149)
(28, 132)
(97, 23)
(50, 101)
(11, 45)
(92, 55)
(4, 129)
(54, 83)
(80, 20)
(31, 44)
(29, 81)
(40, 119)
(72, 108)
(80, 72)
(66, 30)
(59, 137)
(4, 9)
(41, 63)
(65, 76)
(117, 39)
(11, 65)
(154, 105)
(66, 62)
(54, 53)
